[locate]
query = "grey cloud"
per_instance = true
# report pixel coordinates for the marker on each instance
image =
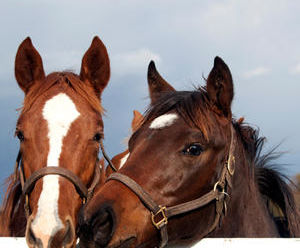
(183, 37)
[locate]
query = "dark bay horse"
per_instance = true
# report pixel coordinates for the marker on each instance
(60, 129)
(193, 172)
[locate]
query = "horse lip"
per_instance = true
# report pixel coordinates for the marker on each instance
(127, 243)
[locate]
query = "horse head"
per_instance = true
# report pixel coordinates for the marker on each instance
(59, 128)
(190, 173)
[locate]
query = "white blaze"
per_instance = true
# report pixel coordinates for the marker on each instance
(163, 121)
(60, 112)
(123, 160)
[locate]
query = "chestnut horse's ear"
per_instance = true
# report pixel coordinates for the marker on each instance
(156, 83)
(28, 65)
(95, 67)
(137, 120)
(220, 87)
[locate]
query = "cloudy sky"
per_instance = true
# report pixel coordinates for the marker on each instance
(259, 40)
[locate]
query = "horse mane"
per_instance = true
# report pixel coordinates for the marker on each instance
(65, 80)
(271, 182)
(12, 209)
(192, 106)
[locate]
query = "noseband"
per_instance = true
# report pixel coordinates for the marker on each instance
(84, 192)
(161, 214)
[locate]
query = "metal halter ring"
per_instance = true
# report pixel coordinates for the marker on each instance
(216, 186)
(163, 221)
(231, 164)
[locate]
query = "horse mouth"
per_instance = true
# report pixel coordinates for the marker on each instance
(127, 243)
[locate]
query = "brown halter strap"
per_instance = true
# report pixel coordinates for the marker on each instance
(84, 192)
(161, 214)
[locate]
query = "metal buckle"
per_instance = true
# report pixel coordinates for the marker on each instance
(216, 185)
(163, 221)
(26, 200)
(220, 189)
(231, 164)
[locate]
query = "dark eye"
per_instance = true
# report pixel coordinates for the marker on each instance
(193, 150)
(20, 135)
(98, 137)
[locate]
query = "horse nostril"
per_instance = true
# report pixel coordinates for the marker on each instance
(69, 234)
(31, 237)
(102, 225)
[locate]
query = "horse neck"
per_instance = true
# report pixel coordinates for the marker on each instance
(245, 204)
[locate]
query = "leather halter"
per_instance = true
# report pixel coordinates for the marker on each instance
(161, 214)
(84, 192)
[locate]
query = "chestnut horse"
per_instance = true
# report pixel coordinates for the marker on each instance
(60, 129)
(193, 172)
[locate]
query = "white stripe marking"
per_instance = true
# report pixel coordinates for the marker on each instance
(60, 112)
(123, 160)
(163, 121)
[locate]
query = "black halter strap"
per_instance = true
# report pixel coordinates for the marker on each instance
(161, 214)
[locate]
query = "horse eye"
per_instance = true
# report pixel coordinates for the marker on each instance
(20, 136)
(98, 137)
(193, 150)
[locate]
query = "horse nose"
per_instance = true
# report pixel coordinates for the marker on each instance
(64, 237)
(99, 228)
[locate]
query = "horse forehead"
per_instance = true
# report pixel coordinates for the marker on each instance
(60, 108)
(163, 121)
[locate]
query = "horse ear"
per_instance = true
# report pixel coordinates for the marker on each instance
(220, 87)
(137, 120)
(156, 83)
(95, 67)
(28, 65)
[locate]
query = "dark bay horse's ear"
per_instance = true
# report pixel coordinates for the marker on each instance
(95, 67)
(28, 65)
(137, 120)
(220, 87)
(156, 83)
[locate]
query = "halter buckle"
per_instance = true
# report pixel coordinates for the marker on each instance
(26, 200)
(231, 164)
(163, 221)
